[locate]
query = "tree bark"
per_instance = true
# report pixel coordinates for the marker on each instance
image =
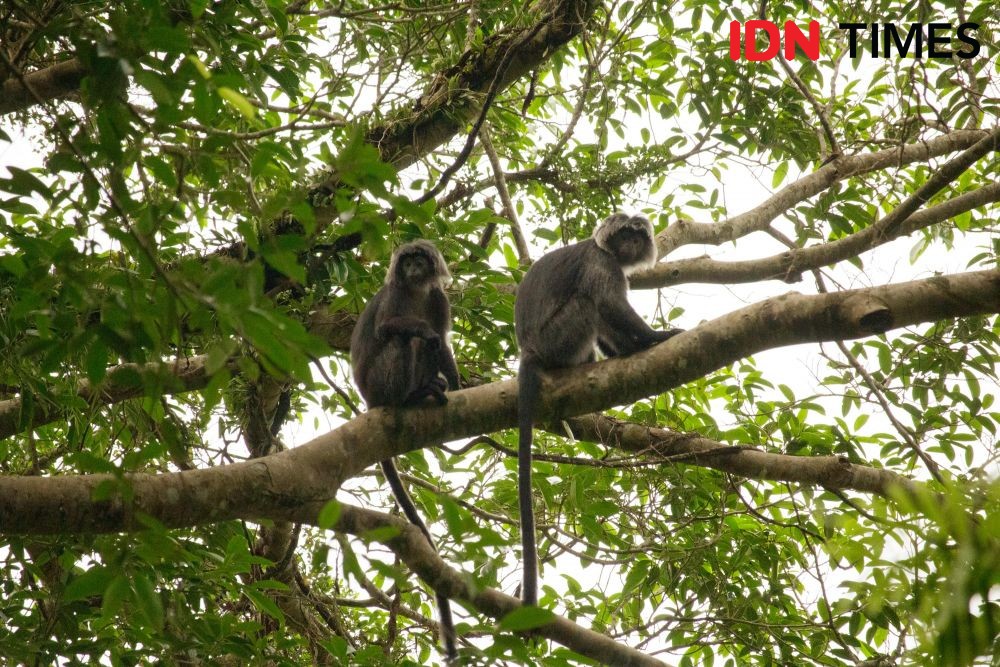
(277, 486)
(52, 83)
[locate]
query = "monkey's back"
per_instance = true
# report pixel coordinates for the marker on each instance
(555, 312)
(380, 368)
(364, 347)
(388, 369)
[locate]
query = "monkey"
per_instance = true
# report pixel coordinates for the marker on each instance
(571, 301)
(399, 352)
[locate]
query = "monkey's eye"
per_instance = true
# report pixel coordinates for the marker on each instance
(414, 265)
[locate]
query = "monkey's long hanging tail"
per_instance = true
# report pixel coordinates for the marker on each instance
(529, 383)
(405, 502)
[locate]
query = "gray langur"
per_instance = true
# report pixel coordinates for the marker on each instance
(399, 352)
(571, 301)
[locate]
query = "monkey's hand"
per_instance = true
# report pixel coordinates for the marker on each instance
(667, 335)
(406, 327)
(432, 340)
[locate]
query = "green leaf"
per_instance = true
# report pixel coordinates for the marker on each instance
(147, 601)
(91, 583)
(161, 170)
(265, 604)
(329, 515)
(779, 174)
(381, 534)
(97, 361)
(115, 595)
(360, 164)
(526, 618)
(270, 585)
(13, 264)
(285, 261)
(23, 182)
(168, 39)
(238, 101)
(200, 66)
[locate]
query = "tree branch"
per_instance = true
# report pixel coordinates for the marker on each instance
(414, 550)
(276, 486)
(821, 114)
(644, 161)
(788, 266)
(659, 446)
(54, 82)
(121, 383)
(523, 254)
(130, 380)
(831, 472)
(456, 94)
(685, 232)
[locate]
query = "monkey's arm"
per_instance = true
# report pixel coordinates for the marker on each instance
(408, 327)
(439, 313)
(666, 334)
(449, 368)
(606, 348)
(625, 332)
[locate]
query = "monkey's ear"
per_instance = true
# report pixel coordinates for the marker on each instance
(643, 221)
(440, 266)
(442, 271)
(393, 267)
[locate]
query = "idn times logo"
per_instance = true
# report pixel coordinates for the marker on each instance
(881, 40)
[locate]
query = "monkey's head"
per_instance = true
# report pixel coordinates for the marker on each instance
(629, 238)
(418, 264)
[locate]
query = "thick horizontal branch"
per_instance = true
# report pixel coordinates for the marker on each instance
(685, 232)
(51, 83)
(411, 546)
(335, 326)
(789, 266)
(653, 445)
(275, 486)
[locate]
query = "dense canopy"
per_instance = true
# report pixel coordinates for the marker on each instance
(198, 197)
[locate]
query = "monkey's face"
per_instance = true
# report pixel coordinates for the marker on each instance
(415, 268)
(629, 239)
(631, 246)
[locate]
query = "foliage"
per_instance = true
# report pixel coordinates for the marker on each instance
(169, 211)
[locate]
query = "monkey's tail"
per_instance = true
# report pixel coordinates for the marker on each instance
(448, 635)
(529, 384)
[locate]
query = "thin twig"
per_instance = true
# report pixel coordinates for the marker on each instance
(523, 254)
